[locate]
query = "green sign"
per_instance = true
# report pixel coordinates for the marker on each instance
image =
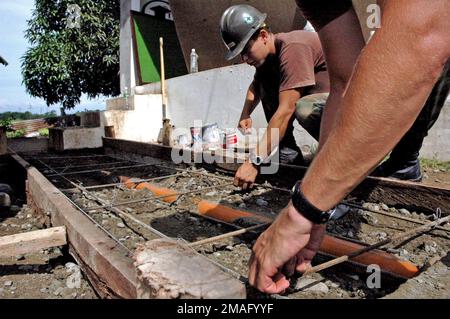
(146, 33)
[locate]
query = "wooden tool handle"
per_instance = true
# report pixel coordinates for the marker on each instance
(163, 77)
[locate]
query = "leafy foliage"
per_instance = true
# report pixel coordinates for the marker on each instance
(6, 123)
(15, 134)
(11, 116)
(64, 60)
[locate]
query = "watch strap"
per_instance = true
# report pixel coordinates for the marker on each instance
(305, 208)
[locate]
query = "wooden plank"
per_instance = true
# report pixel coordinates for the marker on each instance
(149, 149)
(168, 270)
(106, 259)
(33, 241)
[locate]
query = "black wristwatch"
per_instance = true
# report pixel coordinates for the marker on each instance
(256, 159)
(308, 210)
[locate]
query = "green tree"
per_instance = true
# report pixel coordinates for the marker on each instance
(74, 50)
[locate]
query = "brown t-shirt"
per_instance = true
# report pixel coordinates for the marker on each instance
(299, 63)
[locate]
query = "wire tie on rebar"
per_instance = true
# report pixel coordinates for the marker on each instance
(113, 198)
(436, 217)
(176, 200)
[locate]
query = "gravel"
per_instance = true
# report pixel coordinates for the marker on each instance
(261, 202)
(404, 211)
(311, 285)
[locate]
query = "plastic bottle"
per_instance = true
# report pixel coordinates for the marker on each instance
(194, 61)
(126, 94)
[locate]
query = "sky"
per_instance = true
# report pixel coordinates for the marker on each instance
(13, 45)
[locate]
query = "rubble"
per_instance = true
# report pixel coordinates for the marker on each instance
(311, 285)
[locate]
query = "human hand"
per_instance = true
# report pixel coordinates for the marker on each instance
(291, 240)
(245, 175)
(245, 125)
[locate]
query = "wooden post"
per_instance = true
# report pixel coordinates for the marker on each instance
(109, 131)
(3, 141)
(167, 126)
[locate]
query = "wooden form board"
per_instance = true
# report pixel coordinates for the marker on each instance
(100, 256)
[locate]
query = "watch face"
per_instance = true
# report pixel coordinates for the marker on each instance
(255, 159)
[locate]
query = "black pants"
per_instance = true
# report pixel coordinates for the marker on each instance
(321, 12)
(407, 149)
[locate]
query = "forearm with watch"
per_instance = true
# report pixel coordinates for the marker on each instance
(279, 121)
(374, 116)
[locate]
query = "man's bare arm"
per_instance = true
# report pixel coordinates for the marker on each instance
(251, 101)
(342, 42)
(391, 82)
(280, 121)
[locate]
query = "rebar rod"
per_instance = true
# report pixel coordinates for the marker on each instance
(227, 235)
(134, 181)
(129, 252)
(134, 201)
(122, 214)
(409, 233)
(63, 157)
(382, 212)
(88, 165)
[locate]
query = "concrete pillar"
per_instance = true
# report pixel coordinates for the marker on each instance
(90, 119)
(127, 65)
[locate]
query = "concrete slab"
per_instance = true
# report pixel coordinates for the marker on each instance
(71, 138)
(141, 121)
(437, 144)
(28, 145)
(169, 270)
(213, 96)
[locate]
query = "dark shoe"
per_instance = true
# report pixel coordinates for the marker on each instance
(5, 188)
(407, 172)
(5, 200)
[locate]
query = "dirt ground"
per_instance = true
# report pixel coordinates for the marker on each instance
(50, 273)
(439, 177)
(180, 221)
